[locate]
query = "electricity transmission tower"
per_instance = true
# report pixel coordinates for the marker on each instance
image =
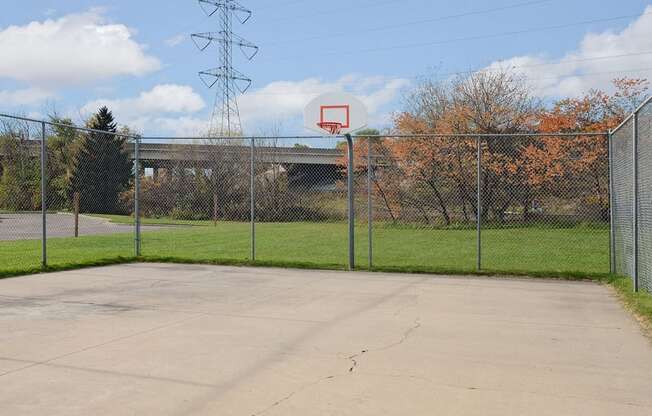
(225, 120)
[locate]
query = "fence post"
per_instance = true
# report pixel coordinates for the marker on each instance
(252, 207)
(44, 205)
(351, 204)
(370, 208)
(612, 229)
(137, 196)
(635, 213)
(75, 209)
(478, 221)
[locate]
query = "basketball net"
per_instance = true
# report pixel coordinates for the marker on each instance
(331, 127)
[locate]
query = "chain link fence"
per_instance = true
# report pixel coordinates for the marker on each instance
(423, 202)
(622, 166)
(644, 120)
(534, 204)
(495, 203)
(21, 216)
(60, 188)
(195, 198)
(631, 161)
(301, 202)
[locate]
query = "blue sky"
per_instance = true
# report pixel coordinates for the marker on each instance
(136, 56)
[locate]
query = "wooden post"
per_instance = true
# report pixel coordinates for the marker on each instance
(75, 202)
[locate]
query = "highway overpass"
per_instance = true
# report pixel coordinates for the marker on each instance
(161, 153)
(165, 152)
(306, 167)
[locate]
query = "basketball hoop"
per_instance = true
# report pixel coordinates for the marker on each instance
(335, 114)
(331, 127)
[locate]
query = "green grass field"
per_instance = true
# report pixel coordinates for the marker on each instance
(580, 251)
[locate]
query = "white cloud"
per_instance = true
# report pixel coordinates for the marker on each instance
(177, 110)
(76, 49)
(28, 96)
(165, 107)
(384, 92)
(282, 100)
(168, 126)
(184, 126)
(165, 98)
(579, 71)
(176, 40)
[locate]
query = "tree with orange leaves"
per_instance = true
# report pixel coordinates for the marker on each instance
(558, 163)
(485, 103)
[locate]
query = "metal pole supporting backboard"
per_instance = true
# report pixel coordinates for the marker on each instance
(370, 208)
(137, 244)
(635, 202)
(252, 206)
(44, 205)
(351, 206)
(479, 204)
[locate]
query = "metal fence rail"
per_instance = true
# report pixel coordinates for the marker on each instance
(526, 203)
(631, 165)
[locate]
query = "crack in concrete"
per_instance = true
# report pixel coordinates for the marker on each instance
(354, 365)
(354, 362)
(406, 335)
(202, 402)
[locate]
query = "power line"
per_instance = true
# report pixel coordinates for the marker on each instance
(471, 38)
(545, 28)
(563, 62)
(463, 39)
(185, 30)
(592, 74)
(414, 22)
(332, 11)
(277, 5)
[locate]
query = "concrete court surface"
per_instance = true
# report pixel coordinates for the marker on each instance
(152, 339)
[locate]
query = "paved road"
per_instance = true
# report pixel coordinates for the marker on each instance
(200, 340)
(27, 226)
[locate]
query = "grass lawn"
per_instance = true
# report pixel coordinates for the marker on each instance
(18, 257)
(638, 303)
(538, 251)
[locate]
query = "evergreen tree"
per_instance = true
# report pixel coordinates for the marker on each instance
(102, 169)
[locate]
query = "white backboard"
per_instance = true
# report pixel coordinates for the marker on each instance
(337, 107)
